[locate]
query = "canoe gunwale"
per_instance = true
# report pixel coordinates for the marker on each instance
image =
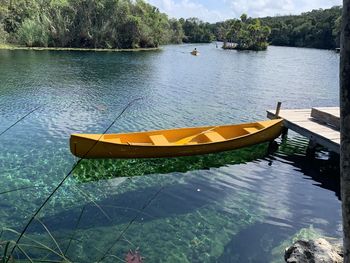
(173, 145)
(185, 145)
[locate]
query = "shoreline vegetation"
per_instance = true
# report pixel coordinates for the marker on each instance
(16, 47)
(122, 25)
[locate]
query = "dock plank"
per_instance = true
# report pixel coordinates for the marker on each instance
(328, 116)
(300, 121)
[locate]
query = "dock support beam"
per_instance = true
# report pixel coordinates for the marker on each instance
(345, 126)
(311, 149)
(284, 132)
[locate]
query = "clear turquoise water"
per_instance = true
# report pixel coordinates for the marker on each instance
(238, 206)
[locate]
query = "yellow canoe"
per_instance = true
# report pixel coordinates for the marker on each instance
(174, 142)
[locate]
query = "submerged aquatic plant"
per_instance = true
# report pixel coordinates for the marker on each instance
(34, 216)
(4, 257)
(94, 170)
(29, 250)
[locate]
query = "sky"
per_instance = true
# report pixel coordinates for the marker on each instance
(220, 10)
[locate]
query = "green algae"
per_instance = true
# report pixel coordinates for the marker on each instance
(293, 145)
(198, 236)
(92, 170)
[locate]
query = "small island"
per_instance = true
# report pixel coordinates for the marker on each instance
(246, 34)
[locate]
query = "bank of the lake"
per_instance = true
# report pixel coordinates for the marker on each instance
(16, 47)
(193, 209)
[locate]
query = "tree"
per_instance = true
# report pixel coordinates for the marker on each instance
(244, 18)
(177, 34)
(336, 31)
(86, 23)
(196, 31)
(135, 23)
(34, 31)
(247, 33)
(317, 29)
(345, 126)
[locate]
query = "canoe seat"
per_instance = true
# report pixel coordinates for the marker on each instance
(159, 139)
(214, 136)
(251, 129)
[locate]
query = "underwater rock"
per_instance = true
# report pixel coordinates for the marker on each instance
(314, 251)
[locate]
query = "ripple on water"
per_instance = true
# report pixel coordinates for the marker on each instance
(196, 209)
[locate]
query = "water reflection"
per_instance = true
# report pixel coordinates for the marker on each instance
(208, 205)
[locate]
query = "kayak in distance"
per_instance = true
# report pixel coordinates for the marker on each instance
(195, 52)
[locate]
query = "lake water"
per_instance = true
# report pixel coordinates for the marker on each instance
(239, 206)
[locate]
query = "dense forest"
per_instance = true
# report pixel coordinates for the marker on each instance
(135, 23)
(95, 24)
(87, 23)
(317, 29)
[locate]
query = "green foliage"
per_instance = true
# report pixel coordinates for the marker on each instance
(87, 23)
(135, 23)
(244, 18)
(17, 11)
(196, 31)
(336, 31)
(247, 33)
(318, 29)
(177, 34)
(33, 32)
(3, 34)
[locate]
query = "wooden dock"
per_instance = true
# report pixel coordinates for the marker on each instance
(320, 125)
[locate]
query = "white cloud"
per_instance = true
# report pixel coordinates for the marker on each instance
(260, 8)
(186, 9)
(210, 11)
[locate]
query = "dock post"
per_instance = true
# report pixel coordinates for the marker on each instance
(344, 73)
(278, 108)
(284, 129)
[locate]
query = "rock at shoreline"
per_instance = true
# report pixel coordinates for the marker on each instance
(313, 251)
